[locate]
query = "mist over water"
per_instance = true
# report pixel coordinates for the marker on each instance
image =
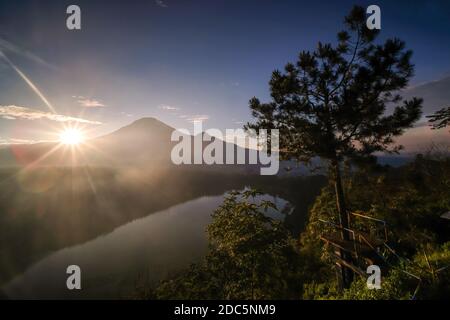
(151, 248)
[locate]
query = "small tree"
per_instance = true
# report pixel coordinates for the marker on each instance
(258, 248)
(331, 103)
(250, 256)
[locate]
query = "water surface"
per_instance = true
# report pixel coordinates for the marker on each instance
(149, 248)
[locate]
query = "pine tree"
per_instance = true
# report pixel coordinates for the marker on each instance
(332, 103)
(441, 118)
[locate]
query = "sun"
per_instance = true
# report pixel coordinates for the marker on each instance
(71, 136)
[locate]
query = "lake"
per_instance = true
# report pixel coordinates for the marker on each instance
(149, 248)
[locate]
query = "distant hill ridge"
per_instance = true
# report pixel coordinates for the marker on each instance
(145, 142)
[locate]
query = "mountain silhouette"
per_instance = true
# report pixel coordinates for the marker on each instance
(144, 143)
(148, 128)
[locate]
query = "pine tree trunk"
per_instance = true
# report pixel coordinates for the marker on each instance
(347, 274)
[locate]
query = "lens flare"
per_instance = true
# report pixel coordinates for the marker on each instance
(71, 136)
(28, 81)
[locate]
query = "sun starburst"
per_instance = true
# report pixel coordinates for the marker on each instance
(71, 136)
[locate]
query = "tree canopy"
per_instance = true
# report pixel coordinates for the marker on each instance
(440, 119)
(332, 102)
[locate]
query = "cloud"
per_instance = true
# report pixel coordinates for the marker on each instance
(198, 118)
(422, 138)
(194, 118)
(161, 3)
(90, 103)
(168, 108)
(436, 94)
(187, 117)
(19, 141)
(15, 112)
(127, 114)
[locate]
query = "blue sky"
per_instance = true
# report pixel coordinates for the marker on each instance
(180, 59)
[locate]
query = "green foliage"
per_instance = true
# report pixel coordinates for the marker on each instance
(393, 287)
(254, 257)
(320, 291)
(411, 200)
(251, 256)
(331, 103)
(432, 264)
(433, 269)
